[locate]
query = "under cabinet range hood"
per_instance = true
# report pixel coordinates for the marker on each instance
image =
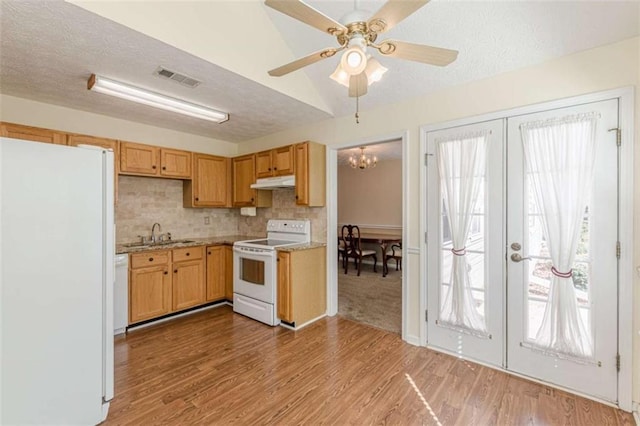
(275, 182)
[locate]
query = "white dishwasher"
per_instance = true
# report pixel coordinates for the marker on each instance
(121, 294)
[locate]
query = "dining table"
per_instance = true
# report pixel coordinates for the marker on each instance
(384, 240)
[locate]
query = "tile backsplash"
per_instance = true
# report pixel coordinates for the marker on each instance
(142, 201)
(284, 207)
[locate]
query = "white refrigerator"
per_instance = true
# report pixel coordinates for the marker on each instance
(56, 283)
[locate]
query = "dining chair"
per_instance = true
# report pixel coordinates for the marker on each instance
(395, 253)
(353, 248)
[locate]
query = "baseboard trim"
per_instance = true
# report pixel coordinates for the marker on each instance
(412, 340)
(636, 413)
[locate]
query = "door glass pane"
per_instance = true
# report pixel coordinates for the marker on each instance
(538, 269)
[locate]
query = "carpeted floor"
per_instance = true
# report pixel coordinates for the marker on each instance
(369, 298)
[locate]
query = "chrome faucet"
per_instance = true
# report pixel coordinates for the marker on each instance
(153, 232)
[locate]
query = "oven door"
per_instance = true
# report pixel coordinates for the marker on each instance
(254, 273)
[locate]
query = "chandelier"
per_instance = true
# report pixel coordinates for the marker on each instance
(362, 161)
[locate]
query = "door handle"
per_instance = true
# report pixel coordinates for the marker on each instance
(517, 258)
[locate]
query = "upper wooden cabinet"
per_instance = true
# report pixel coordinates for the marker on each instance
(18, 131)
(174, 163)
(275, 162)
(149, 160)
(310, 172)
(138, 159)
(244, 174)
(211, 183)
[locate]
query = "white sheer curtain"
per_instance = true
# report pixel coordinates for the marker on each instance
(560, 158)
(461, 166)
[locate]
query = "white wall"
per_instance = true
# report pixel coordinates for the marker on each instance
(599, 69)
(38, 114)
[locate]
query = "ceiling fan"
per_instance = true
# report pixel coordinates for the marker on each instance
(355, 35)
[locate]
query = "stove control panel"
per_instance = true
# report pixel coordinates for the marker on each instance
(289, 226)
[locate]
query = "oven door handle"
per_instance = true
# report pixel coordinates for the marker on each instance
(260, 254)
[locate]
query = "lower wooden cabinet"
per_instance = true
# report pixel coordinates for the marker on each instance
(149, 286)
(302, 285)
(228, 273)
(219, 273)
(216, 273)
(188, 278)
(166, 281)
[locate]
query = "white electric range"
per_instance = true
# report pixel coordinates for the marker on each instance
(255, 268)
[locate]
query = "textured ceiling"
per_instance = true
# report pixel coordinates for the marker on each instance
(492, 37)
(49, 48)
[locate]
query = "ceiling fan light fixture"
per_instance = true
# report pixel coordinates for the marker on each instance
(124, 91)
(340, 76)
(374, 70)
(354, 60)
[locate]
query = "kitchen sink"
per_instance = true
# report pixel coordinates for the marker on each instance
(159, 243)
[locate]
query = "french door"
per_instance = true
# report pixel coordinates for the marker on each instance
(465, 261)
(521, 258)
(564, 330)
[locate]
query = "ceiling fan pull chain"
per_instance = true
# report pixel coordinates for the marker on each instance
(357, 109)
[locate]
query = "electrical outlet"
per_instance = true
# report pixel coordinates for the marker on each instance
(206, 220)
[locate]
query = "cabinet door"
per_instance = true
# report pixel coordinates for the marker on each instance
(175, 163)
(283, 160)
(285, 308)
(244, 174)
(112, 144)
(216, 273)
(149, 293)
(18, 131)
(210, 184)
(188, 284)
(138, 159)
(228, 273)
(302, 173)
(263, 164)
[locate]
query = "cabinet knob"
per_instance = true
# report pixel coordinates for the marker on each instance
(151, 259)
(269, 168)
(164, 168)
(166, 272)
(275, 168)
(296, 197)
(252, 199)
(175, 271)
(188, 254)
(153, 167)
(197, 199)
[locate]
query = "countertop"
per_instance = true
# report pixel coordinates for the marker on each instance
(305, 246)
(193, 242)
(214, 241)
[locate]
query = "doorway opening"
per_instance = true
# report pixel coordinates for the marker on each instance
(369, 196)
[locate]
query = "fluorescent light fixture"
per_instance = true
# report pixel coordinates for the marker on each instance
(131, 93)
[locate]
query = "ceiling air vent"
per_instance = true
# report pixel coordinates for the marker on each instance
(177, 77)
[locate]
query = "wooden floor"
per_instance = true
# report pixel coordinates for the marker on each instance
(217, 367)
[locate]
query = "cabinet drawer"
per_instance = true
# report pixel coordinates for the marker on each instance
(152, 258)
(188, 253)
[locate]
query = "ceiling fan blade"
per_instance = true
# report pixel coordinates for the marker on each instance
(305, 13)
(303, 62)
(358, 85)
(392, 12)
(418, 52)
